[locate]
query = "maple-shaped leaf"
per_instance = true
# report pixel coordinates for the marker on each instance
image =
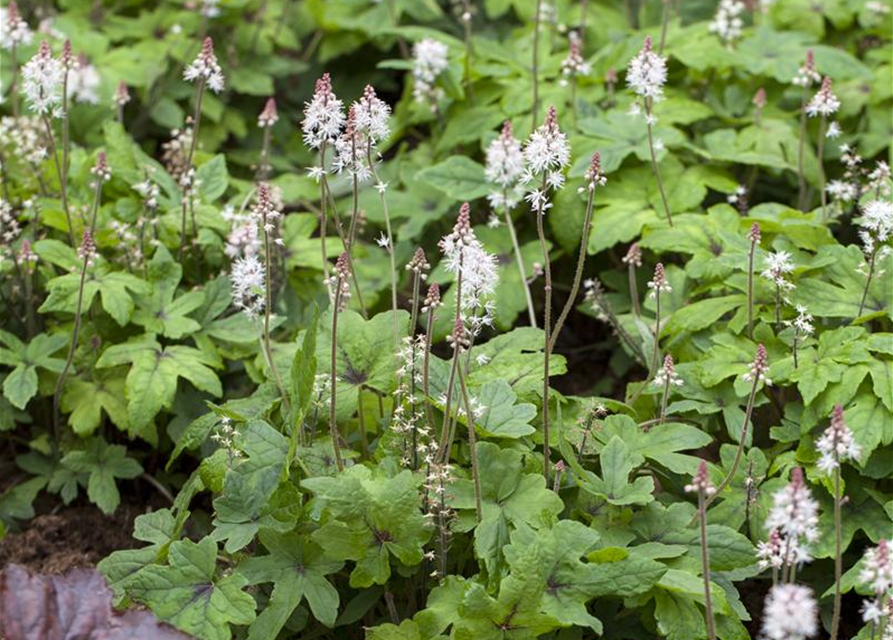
(152, 380)
(104, 463)
(614, 485)
(115, 288)
(86, 400)
(20, 385)
(368, 519)
(159, 311)
(189, 593)
(297, 567)
(509, 497)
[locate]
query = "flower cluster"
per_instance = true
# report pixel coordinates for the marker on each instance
(837, 443)
(824, 103)
(14, 31)
(807, 75)
(83, 82)
(42, 79)
(790, 613)
(546, 154)
(594, 176)
(700, 482)
(225, 434)
(121, 96)
(794, 515)
(408, 418)
(101, 169)
(269, 116)
(876, 227)
(323, 115)
(87, 250)
(504, 168)
(249, 285)
(667, 375)
(877, 576)
(633, 255)
(22, 138)
(759, 367)
(372, 116)
(350, 156)
(266, 213)
(727, 23)
(175, 151)
(574, 65)
(802, 323)
(429, 60)
(205, 68)
(340, 281)
(646, 74)
(659, 284)
(778, 267)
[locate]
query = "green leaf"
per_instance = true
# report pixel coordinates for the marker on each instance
(115, 289)
(104, 463)
(20, 385)
(158, 311)
(297, 568)
(501, 417)
(212, 178)
(187, 593)
(617, 462)
(459, 177)
(86, 400)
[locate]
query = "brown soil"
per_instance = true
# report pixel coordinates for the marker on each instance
(73, 537)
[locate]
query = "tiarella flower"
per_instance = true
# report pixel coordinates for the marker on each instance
(265, 213)
(432, 299)
(754, 235)
(210, 8)
(667, 374)
(249, 284)
(700, 482)
(834, 131)
(464, 254)
(429, 60)
(9, 224)
(772, 552)
(42, 78)
(659, 284)
(350, 150)
(842, 191)
(759, 367)
(372, 116)
(824, 103)
(594, 176)
(759, 98)
(790, 613)
(83, 82)
(101, 169)
(14, 31)
(879, 179)
(340, 281)
(418, 265)
(738, 197)
(837, 443)
(504, 168)
(323, 115)
(647, 72)
(877, 571)
(87, 250)
(633, 255)
(176, 150)
(122, 95)
(205, 67)
(794, 513)
(22, 138)
(149, 191)
(269, 116)
(574, 65)
(727, 23)
(807, 75)
(877, 217)
(802, 323)
(778, 266)
(546, 154)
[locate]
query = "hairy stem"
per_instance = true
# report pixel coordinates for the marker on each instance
(268, 304)
(531, 311)
(634, 290)
(750, 257)
(838, 559)
(821, 152)
(705, 567)
(655, 351)
(63, 190)
(333, 424)
(801, 154)
(871, 266)
(654, 165)
(472, 446)
(387, 222)
(547, 326)
(536, 48)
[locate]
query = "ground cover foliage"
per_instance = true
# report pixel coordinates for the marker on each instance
(499, 319)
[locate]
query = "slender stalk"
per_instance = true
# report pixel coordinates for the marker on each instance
(66, 135)
(426, 386)
(346, 246)
(361, 420)
(263, 170)
(63, 190)
(536, 80)
(654, 165)
(547, 325)
(801, 153)
(738, 454)
(838, 559)
(268, 304)
(705, 564)
(472, 446)
(663, 402)
(380, 186)
(445, 439)
(871, 267)
(323, 219)
(821, 153)
(664, 22)
(333, 425)
(578, 274)
(794, 347)
(184, 203)
(13, 84)
(750, 258)
(655, 351)
(531, 311)
(777, 306)
(634, 290)
(469, 51)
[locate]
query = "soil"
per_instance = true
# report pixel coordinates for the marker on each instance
(70, 538)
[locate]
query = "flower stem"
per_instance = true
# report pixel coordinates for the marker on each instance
(871, 265)
(654, 165)
(387, 222)
(63, 190)
(445, 439)
(634, 290)
(333, 425)
(196, 123)
(268, 304)
(747, 415)
(801, 154)
(838, 560)
(13, 84)
(472, 446)
(536, 48)
(663, 402)
(655, 351)
(664, 22)
(323, 220)
(361, 420)
(578, 274)
(547, 326)
(531, 311)
(821, 153)
(705, 567)
(750, 257)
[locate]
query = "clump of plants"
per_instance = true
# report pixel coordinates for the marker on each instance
(458, 320)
